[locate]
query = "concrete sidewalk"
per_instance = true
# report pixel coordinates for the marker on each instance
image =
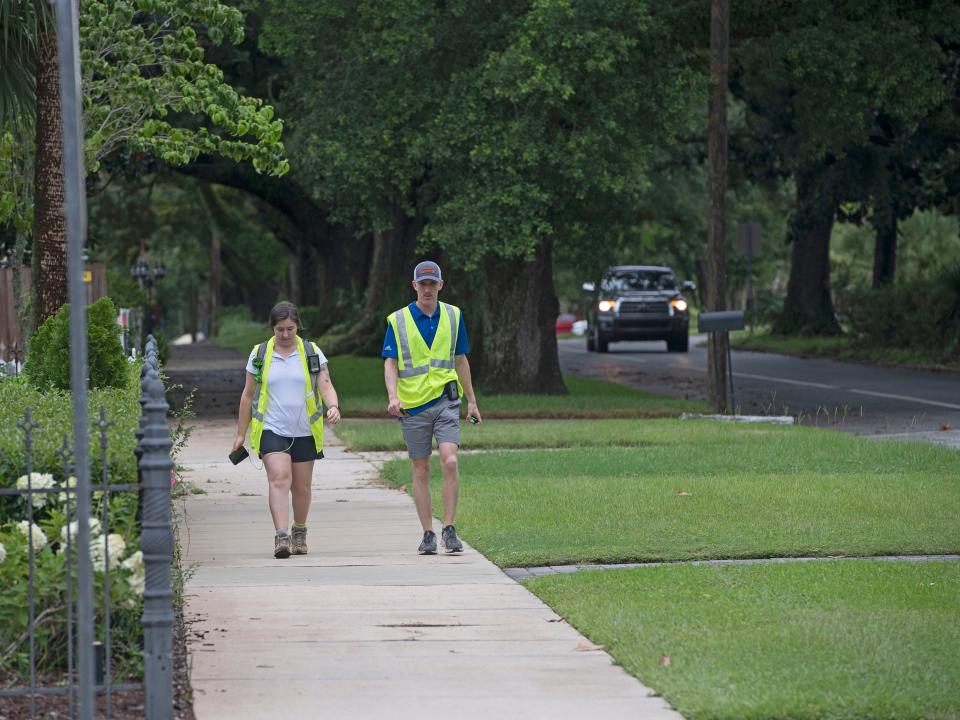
(363, 627)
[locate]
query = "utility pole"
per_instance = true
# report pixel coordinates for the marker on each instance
(719, 343)
(75, 216)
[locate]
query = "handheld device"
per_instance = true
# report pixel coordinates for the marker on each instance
(313, 364)
(238, 455)
(473, 420)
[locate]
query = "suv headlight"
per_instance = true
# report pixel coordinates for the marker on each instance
(607, 305)
(679, 303)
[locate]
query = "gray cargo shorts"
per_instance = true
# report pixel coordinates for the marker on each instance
(441, 421)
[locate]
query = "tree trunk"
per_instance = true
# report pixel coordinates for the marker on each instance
(885, 249)
(293, 276)
(388, 284)
(215, 213)
(49, 278)
(193, 317)
(716, 216)
(808, 308)
(514, 306)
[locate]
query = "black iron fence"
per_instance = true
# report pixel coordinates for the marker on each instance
(54, 621)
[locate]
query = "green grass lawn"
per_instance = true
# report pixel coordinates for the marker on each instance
(695, 489)
(847, 640)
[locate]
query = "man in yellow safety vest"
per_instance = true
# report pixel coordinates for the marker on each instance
(427, 373)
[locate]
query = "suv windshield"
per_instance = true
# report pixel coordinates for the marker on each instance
(628, 280)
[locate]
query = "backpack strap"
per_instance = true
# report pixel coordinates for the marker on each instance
(258, 377)
(258, 361)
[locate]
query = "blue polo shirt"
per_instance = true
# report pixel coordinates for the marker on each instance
(427, 325)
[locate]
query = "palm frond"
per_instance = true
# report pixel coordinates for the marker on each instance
(22, 24)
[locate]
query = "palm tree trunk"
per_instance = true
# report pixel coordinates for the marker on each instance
(49, 278)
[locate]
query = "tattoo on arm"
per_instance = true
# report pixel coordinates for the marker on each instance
(324, 372)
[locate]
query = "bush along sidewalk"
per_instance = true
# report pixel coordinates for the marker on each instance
(38, 531)
(117, 540)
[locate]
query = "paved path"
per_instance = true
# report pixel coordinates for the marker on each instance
(363, 627)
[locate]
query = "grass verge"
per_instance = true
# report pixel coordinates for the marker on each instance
(241, 335)
(825, 641)
(359, 383)
(519, 434)
(694, 490)
(839, 348)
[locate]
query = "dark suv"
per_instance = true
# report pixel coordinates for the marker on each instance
(637, 302)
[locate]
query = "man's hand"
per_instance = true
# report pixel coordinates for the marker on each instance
(237, 443)
(394, 407)
(473, 411)
(333, 415)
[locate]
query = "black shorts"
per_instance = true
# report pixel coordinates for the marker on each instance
(303, 449)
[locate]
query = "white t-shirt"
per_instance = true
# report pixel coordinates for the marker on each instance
(286, 411)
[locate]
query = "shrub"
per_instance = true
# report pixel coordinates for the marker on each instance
(309, 321)
(923, 316)
(52, 411)
(48, 364)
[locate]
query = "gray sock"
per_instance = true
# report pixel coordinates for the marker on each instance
(281, 531)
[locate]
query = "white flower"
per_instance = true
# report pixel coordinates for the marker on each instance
(3, 553)
(39, 538)
(115, 547)
(74, 529)
(37, 480)
(72, 484)
(134, 564)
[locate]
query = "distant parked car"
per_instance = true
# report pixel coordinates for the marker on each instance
(565, 322)
(637, 302)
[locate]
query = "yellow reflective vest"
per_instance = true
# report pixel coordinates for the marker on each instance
(423, 371)
(264, 355)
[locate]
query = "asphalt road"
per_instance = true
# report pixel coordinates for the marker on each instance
(845, 396)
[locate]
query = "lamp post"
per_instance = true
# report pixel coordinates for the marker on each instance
(147, 275)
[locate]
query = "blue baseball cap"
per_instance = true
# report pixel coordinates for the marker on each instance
(427, 270)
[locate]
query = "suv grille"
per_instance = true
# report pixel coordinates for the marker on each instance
(639, 307)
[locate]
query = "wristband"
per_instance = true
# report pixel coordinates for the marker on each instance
(331, 407)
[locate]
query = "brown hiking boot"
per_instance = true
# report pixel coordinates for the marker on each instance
(281, 546)
(298, 539)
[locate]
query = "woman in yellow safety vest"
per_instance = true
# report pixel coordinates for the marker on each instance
(279, 403)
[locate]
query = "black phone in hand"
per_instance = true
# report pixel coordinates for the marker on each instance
(239, 455)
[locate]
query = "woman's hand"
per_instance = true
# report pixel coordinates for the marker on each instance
(237, 443)
(333, 415)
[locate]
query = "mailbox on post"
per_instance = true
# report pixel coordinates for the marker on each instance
(720, 322)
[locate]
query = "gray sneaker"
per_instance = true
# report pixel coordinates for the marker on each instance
(281, 546)
(450, 540)
(429, 544)
(298, 541)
